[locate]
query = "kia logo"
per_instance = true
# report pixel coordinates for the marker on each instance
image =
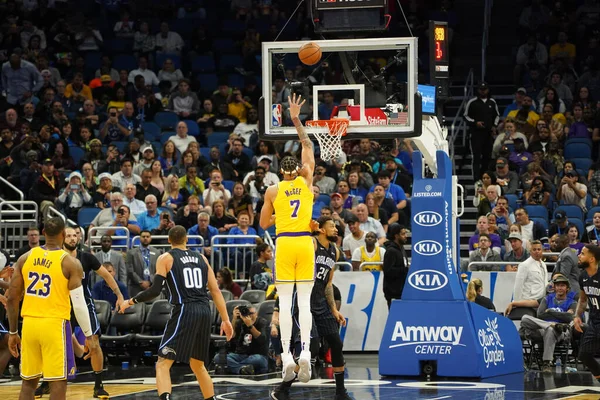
(427, 280)
(427, 218)
(428, 248)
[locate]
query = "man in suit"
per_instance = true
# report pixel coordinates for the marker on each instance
(141, 264)
(106, 254)
(567, 262)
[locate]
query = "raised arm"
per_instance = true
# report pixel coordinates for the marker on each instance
(308, 154)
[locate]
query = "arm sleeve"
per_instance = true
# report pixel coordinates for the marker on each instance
(152, 292)
(81, 311)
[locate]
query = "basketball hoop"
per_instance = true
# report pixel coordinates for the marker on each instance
(329, 135)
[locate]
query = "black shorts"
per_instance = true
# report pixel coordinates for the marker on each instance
(187, 334)
(326, 324)
(94, 323)
(3, 331)
(590, 342)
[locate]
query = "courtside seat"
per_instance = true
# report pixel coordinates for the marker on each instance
(154, 325)
(227, 295)
(265, 309)
(127, 325)
(253, 296)
(103, 312)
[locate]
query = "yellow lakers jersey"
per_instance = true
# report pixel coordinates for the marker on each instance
(46, 288)
(364, 257)
(293, 206)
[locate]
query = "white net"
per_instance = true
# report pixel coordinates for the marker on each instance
(329, 135)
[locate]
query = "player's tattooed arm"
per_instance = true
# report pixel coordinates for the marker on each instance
(296, 104)
(329, 297)
(582, 305)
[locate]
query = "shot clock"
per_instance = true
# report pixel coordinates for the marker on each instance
(439, 60)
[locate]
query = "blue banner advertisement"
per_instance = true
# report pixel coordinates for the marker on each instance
(433, 323)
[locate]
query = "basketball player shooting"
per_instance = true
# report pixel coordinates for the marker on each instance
(291, 200)
(47, 276)
(187, 335)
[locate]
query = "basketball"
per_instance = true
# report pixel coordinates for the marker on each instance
(310, 53)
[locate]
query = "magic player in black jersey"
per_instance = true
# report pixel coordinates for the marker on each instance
(327, 318)
(589, 282)
(90, 265)
(187, 335)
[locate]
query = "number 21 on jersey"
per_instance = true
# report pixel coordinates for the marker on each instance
(295, 205)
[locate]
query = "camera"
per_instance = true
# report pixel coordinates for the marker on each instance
(244, 311)
(74, 186)
(113, 114)
(121, 211)
(166, 216)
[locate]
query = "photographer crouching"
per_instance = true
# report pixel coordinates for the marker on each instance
(249, 346)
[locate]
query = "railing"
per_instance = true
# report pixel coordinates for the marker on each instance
(15, 219)
(347, 267)
(226, 257)
(367, 263)
(501, 264)
(53, 212)
(269, 240)
(487, 21)
(459, 124)
(13, 187)
(95, 239)
(135, 242)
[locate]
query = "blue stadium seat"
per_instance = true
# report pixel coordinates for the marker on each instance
(537, 211)
(236, 80)
(588, 201)
(77, 153)
(577, 150)
(203, 64)
(119, 45)
(324, 198)
(125, 61)
(166, 120)
(230, 61)
(542, 221)
(208, 82)
(229, 185)
(122, 146)
(151, 131)
(166, 136)
(193, 128)
(157, 147)
(86, 215)
(572, 211)
(590, 214)
(223, 45)
(579, 224)
(205, 151)
(93, 61)
(583, 164)
(162, 57)
(248, 151)
(233, 26)
(216, 138)
(512, 201)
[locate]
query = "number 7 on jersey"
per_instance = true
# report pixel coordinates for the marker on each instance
(295, 204)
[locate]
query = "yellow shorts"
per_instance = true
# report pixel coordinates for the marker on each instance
(294, 259)
(44, 348)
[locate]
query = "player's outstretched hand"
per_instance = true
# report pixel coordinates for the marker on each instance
(296, 104)
(340, 318)
(314, 225)
(91, 346)
(227, 329)
(6, 273)
(577, 324)
(124, 305)
(3, 300)
(14, 345)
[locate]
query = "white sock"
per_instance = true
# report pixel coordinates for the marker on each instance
(304, 290)
(285, 292)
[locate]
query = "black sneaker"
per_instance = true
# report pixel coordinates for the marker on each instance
(343, 396)
(100, 393)
(280, 394)
(43, 389)
(561, 328)
(247, 370)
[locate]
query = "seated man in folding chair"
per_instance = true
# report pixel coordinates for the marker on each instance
(554, 315)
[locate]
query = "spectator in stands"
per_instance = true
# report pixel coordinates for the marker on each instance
(77, 91)
(475, 294)
(185, 104)
(519, 156)
(182, 140)
(190, 184)
(135, 205)
(529, 54)
(225, 281)
(507, 180)
(123, 219)
(337, 206)
(357, 188)
(101, 196)
(257, 187)
(550, 96)
(173, 197)
(592, 232)
(149, 76)
(144, 41)
(102, 291)
(164, 226)
(167, 41)
(186, 160)
(145, 162)
(221, 121)
(355, 238)
(249, 346)
(395, 263)
(508, 137)
(484, 253)
(539, 194)
(170, 73)
(561, 223)
(270, 178)
(494, 228)
(486, 205)
(241, 257)
(371, 252)
(574, 235)
(239, 159)
(47, 188)
(531, 230)
(207, 232)
(516, 228)
(187, 216)
(562, 93)
(570, 191)
(240, 201)
(20, 80)
(220, 219)
(239, 107)
(114, 129)
(579, 128)
(107, 216)
(114, 257)
(151, 218)
(377, 212)
(168, 157)
(530, 282)
(33, 240)
(143, 185)
(261, 275)
(248, 128)
(126, 176)
(60, 155)
(567, 262)
(369, 224)
(88, 38)
(73, 197)
(365, 152)
(215, 190)
(226, 169)
(518, 252)
(325, 183)
(482, 116)
(554, 315)
(317, 204)
(392, 190)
